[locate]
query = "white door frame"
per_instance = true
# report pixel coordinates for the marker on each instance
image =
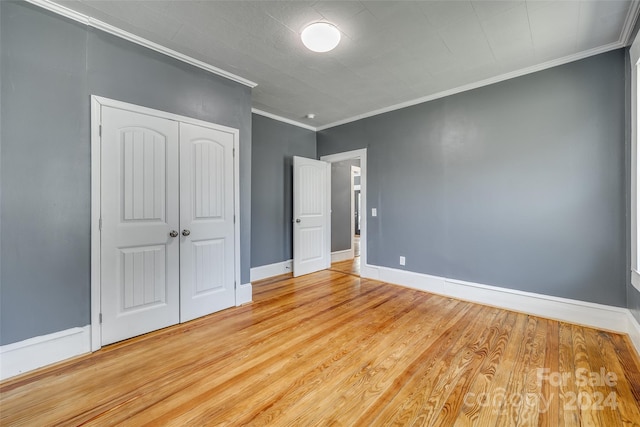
(97, 102)
(354, 170)
(362, 155)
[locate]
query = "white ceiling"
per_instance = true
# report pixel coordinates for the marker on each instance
(393, 53)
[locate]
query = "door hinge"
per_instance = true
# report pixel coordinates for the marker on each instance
(100, 224)
(100, 317)
(99, 130)
(234, 152)
(234, 219)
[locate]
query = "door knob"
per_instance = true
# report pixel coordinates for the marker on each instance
(185, 232)
(298, 220)
(173, 233)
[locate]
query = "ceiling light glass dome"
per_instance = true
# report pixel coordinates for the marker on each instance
(320, 37)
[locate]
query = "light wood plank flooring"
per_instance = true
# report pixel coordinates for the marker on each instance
(333, 349)
(350, 266)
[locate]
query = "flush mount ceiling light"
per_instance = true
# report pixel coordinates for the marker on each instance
(320, 37)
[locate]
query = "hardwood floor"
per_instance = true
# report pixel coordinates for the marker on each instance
(350, 266)
(333, 349)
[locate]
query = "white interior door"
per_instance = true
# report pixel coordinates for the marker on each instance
(311, 215)
(207, 278)
(139, 211)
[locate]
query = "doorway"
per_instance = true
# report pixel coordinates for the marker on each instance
(350, 263)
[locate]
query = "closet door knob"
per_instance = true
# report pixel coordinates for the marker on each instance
(185, 233)
(173, 233)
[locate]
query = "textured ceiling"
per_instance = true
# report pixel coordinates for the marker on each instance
(392, 52)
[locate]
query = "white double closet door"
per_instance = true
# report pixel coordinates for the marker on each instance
(167, 211)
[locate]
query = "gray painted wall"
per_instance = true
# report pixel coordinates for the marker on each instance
(45, 176)
(274, 145)
(50, 67)
(519, 184)
(341, 204)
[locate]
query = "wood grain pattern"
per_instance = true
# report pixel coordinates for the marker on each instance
(331, 348)
(350, 266)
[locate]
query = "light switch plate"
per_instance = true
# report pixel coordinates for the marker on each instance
(374, 212)
(402, 260)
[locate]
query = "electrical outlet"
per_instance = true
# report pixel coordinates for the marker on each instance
(374, 212)
(402, 260)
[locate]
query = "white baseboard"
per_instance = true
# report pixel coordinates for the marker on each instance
(33, 353)
(270, 270)
(634, 331)
(368, 271)
(342, 255)
(564, 309)
(36, 352)
(244, 294)
(599, 316)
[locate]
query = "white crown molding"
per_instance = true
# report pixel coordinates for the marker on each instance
(89, 21)
(61, 10)
(283, 119)
(481, 83)
(624, 40)
(629, 23)
(103, 26)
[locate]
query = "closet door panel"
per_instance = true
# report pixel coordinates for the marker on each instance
(139, 209)
(207, 277)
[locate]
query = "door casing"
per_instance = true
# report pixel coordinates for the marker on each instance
(354, 170)
(97, 102)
